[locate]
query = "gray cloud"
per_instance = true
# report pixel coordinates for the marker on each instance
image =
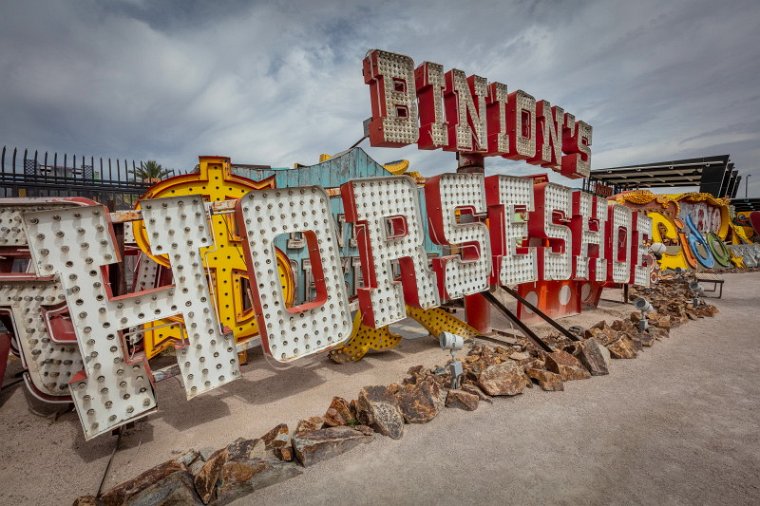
(282, 83)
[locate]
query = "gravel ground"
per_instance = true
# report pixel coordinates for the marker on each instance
(680, 424)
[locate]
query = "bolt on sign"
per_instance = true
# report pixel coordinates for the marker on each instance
(216, 238)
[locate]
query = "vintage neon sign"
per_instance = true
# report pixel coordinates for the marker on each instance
(461, 113)
(75, 245)
(495, 230)
(530, 236)
(696, 228)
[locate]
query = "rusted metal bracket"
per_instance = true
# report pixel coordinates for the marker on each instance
(548, 319)
(524, 328)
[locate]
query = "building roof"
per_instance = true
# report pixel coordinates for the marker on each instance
(713, 174)
(746, 204)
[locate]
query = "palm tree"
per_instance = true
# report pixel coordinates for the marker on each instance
(150, 171)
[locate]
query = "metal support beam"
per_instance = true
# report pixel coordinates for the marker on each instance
(524, 328)
(548, 319)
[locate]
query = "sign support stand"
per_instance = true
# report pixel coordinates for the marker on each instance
(476, 308)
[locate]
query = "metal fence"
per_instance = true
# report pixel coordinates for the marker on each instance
(112, 182)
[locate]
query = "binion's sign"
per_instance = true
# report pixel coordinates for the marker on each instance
(493, 230)
(467, 114)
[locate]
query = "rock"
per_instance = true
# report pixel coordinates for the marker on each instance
(659, 333)
(196, 466)
(206, 479)
(636, 340)
(277, 437)
(87, 500)
(364, 429)
(175, 489)
(285, 453)
(528, 382)
(547, 380)
(379, 409)
(323, 444)
(661, 321)
(415, 373)
(567, 366)
(240, 478)
(647, 340)
(420, 403)
(475, 390)
(310, 424)
(206, 452)
(339, 413)
(520, 356)
(622, 348)
(461, 399)
(506, 378)
(120, 493)
(188, 457)
(595, 330)
(415, 370)
(704, 311)
(594, 357)
(192, 460)
(244, 449)
(535, 363)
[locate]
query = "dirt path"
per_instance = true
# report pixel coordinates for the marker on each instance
(679, 424)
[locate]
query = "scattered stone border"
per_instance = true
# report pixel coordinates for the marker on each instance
(217, 477)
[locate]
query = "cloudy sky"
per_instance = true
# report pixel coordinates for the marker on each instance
(278, 83)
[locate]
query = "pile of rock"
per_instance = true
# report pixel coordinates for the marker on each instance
(220, 476)
(245, 465)
(672, 297)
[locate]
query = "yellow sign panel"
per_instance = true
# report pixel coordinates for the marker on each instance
(365, 339)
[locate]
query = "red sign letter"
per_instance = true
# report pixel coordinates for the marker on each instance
(394, 106)
(465, 99)
(468, 271)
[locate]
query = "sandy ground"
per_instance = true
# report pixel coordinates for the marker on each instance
(681, 424)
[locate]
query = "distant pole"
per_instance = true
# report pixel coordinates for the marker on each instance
(746, 185)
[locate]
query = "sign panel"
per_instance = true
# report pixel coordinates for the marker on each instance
(466, 114)
(279, 255)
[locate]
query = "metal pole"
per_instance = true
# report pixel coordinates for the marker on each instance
(746, 186)
(527, 332)
(548, 319)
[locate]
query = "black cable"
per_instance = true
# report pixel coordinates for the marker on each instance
(358, 142)
(108, 465)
